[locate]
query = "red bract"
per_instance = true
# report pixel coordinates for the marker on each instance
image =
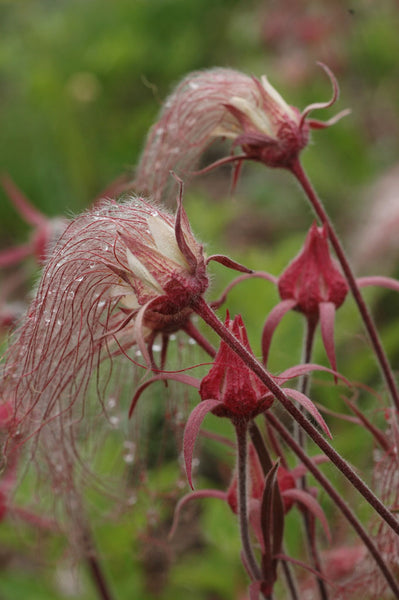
(313, 277)
(232, 383)
(313, 285)
(223, 103)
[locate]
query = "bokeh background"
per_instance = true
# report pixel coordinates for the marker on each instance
(81, 81)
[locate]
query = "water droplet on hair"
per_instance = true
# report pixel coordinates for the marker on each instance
(111, 403)
(191, 342)
(154, 213)
(156, 347)
(128, 458)
(138, 353)
(79, 278)
(193, 86)
(131, 500)
(114, 421)
(172, 338)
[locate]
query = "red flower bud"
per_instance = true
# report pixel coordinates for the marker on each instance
(313, 276)
(231, 382)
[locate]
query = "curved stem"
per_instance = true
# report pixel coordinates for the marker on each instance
(201, 307)
(250, 560)
(341, 504)
(369, 324)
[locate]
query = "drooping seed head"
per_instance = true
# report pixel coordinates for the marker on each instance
(224, 103)
(120, 272)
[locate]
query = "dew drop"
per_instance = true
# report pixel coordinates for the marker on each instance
(111, 403)
(191, 342)
(156, 347)
(114, 421)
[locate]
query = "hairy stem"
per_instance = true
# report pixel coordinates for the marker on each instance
(340, 503)
(369, 324)
(207, 314)
(250, 560)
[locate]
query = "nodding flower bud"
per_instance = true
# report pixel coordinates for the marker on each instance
(234, 384)
(313, 277)
(267, 128)
(224, 103)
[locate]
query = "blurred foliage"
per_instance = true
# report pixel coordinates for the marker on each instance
(81, 81)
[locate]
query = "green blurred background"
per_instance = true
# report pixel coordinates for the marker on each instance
(81, 81)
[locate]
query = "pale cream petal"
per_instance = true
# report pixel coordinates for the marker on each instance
(274, 95)
(127, 297)
(257, 115)
(165, 240)
(141, 272)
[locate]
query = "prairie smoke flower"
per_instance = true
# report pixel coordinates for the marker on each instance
(313, 285)
(119, 274)
(224, 103)
(232, 390)
(230, 382)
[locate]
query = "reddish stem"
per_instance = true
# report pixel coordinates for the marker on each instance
(194, 333)
(201, 307)
(250, 560)
(331, 491)
(308, 519)
(299, 173)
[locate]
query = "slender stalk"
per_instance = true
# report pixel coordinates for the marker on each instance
(250, 560)
(95, 569)
(304, 380)
(308, 519)
(341, 504)
(194, 333)
(201, 307)
(369, 324)
(267, 464)
(98, 578)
